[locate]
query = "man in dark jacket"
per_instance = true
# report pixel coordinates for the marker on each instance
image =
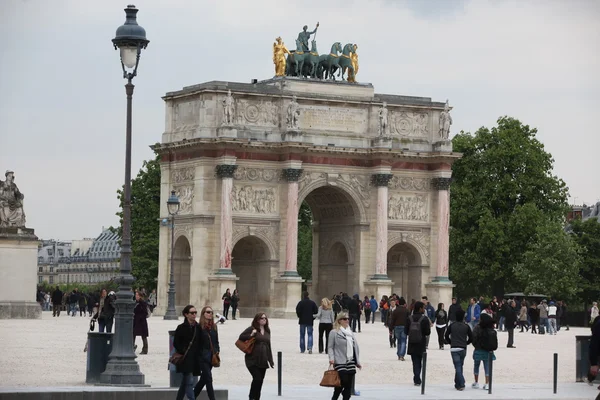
(57, 297)
(459, 336)
(397, 321)
(454, 307)
(73, 301)
(510, 319)
(353, 312)
(306, 310)
(417, 339)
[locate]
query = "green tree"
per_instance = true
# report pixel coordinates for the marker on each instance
(304, 262)
(502, 190)
(587, 235)
(145, 212)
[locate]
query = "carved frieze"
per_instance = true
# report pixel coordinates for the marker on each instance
(183, 175)
(186, 198)
(184, 229)
(407, 183)
(307, 178)
(360, 183)
(260, 113)
(421, 240)
(409, 124)
(256, 174)
(408, 207)
(253, 200)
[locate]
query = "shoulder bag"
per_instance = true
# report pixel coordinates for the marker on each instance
(331, 378)
(177, 358)
(215, 360)
(246, 346)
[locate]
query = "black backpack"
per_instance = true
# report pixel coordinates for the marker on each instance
(414, 331)
(488, 340)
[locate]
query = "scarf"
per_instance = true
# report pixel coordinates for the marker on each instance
(349, 342)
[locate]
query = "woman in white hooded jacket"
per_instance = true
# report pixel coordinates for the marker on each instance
(343, 355)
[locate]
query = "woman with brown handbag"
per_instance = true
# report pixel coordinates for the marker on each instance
(208, 352)
(186, 342)
(261, 357)
(343, 355)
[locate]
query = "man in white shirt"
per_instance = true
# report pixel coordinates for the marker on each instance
(552, 318)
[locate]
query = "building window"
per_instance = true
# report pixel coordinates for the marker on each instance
(40, 260)
(61, 252)
(41, 269)
(50, 252)
(51, 269)
(40, 279)
(51, 260)
(51, 280)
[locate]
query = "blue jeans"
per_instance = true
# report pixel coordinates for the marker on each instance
(458, 359)
(401, 340)
(73, 307)
(303, 331)
(373, 316)
(187, 387)
(472, 324)
(485, 367)
(105, 324)
(544, 322)
(501, 324)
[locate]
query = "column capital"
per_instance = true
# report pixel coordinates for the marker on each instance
(441, 183)
(292, 174)
(381, 179)
(225, 170)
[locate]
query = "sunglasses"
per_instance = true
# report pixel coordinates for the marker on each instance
(193, 312)
(343, 319)
(208, 312)
(263, 317)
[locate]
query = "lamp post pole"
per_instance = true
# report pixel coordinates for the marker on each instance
(173, 208)
(122, 368)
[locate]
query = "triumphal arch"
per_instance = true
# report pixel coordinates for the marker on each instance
(374, 168)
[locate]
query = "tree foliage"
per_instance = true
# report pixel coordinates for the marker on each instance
(503, 189)
(587, 235)
(145, 213)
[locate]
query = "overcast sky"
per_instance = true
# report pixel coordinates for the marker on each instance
(62, 100)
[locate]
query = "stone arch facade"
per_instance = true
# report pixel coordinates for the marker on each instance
(182, 263)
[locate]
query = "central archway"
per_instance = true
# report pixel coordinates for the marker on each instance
(335, 221)
(251, 264)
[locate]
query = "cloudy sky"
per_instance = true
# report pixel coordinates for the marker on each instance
(62, 101)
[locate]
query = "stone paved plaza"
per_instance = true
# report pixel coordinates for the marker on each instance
(49, 352)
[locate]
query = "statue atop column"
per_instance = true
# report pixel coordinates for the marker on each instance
(304, 37)
(228, 109)
(445, 122)
(293, 114)
(279, 52)
(11, 203)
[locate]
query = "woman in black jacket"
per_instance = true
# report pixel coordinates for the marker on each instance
(261, 357)
(186, 342)
(441, 321)
(209, 345)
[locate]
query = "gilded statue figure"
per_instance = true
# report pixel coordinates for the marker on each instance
(354, 60)
(11, 203)
(445, 122)
(279, 51)
(304, 36)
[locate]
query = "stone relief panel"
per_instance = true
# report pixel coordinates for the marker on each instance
(181, 175)
(256, 174)
(267, 233)
(333, 119)
(406, 123)
(408, 207)
(309, 177)
(186, 198)
(254, 200)
(328, 239)
(360, 183)
(184, 229)
(186, 115)
(407, 183)
(259, 113)
(421, 240)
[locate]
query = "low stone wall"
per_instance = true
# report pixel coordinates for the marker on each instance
(99, 393)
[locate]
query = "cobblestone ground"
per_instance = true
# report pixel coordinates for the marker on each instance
(49, 352)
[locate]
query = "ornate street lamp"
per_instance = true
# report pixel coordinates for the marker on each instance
(173, 208)
(122, 368)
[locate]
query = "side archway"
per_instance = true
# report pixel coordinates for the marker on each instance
(182, 261)
(404, 269)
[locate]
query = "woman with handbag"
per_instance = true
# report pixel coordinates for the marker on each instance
(343, 355)
(261, 357)
(208, 352)
(186, 342)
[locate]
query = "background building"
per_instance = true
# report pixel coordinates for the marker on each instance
(49, 253)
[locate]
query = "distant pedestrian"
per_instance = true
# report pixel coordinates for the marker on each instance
(186, 342)
(398, 320)
(343, 356)
(152, 300)
(417, 329)
(326, 319)
(459, 336)
(473, 313)
(485, 341)
(373, 308)
(140, 321)
(441, 321)
(82, 304)
(57, 298)
(454, 307)
(523, 317)
(544, 326)
(235, 300)
(552, 310)
(510, 320)
(261, 357)
(226, 302)
(73, 302)
(564, 318)
(367, 309)
(354, 312)
(106, 311)
(305, 310)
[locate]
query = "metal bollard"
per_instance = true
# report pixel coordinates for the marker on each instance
(279, 358)
(491, 367)
(555, 372)
(424, 373)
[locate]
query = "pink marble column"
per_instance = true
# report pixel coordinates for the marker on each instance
(225, 172)
(381, 182)
(443, 236)
(291, 232)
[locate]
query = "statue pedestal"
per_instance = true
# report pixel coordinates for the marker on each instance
(227, 132)
(18, 274)
(382, 142)
(292, 135)
(439, 290)
(443, 145)
(218, 283)
(288, 292)
(378, 286)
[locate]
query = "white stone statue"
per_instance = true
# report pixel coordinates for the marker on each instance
(228, 109)
(11, 203)
(445, 122)
(383, 119)
(293, 114)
